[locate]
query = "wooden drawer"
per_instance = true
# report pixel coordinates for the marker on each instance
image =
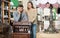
(21, 36)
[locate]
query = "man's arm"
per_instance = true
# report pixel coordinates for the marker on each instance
(15, 16)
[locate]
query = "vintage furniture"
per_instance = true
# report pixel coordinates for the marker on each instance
(0, 10)
(5, 6)
(4, 30)
(21, 30)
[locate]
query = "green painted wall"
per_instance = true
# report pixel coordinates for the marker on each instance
(15, 2)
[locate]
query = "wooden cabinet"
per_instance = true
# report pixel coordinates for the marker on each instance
(4, 30)
(20, 35)
(21, 30)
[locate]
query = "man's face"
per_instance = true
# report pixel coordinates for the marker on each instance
(20, 9)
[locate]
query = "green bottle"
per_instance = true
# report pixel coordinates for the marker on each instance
(54, 13)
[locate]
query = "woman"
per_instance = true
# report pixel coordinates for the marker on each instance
(32, 14)
(46, 16)
(49, 9)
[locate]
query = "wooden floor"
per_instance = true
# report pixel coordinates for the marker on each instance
(45, 35)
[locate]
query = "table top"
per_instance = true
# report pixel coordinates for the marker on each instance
(20, 33)
(21, 23)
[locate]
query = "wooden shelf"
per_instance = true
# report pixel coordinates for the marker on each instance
(5, 4)
(20, 33)
(0, 10)
(5, 1)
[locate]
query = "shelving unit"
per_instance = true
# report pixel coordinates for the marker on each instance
(0, 11)
(5, 11)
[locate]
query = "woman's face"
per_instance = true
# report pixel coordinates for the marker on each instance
(29, 5)
(47, 5)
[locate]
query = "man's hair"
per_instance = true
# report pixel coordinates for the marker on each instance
(47, 3)
(19, 6)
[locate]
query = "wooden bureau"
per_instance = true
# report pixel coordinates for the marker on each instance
(21, 30)
(20, 35)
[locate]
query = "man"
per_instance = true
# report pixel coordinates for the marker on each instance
(20, 14)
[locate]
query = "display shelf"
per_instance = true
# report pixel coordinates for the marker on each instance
(0, 11)
(5, 10)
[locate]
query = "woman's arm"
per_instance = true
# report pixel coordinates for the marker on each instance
(34, 15)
